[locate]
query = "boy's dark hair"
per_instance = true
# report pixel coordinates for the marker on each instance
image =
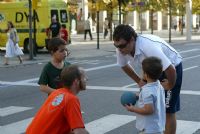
(69, 74)
(63, 25)
(55, 43)
(125, 32)
(152, 66)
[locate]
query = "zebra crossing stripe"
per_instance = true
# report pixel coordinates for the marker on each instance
(16, 127)
(102, 125)
(187, 127)
(108, 123)
(12, 110)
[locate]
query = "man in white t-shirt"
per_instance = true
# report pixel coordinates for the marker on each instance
(132, 49)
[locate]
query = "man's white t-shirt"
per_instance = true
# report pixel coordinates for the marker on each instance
(146, 46)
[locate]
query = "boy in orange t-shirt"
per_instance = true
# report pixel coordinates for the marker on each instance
(61, 112)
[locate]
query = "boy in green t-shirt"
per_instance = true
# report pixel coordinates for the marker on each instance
(50, 77)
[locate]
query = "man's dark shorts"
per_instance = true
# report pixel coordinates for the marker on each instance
(172, 97)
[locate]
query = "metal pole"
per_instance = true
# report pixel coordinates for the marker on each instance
(170, 20)
(98, 29)
(189, 18)
(30, 31)
(34, 34)
(151, 21)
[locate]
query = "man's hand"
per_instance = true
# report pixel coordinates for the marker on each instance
(165, 84)
(141, 83)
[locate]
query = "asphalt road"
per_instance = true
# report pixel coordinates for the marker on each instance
(20, 97)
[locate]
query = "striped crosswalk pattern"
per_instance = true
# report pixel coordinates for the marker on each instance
(12, 109)
(99, 126)
(108, 123)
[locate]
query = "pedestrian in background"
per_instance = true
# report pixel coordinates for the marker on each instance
(87, 29)
(64, 32)
(50, 77)
(12, 47)
(105, 25)
(150, 107)
(61, 112)
(132, 49)
(54, 27)
(180, 25)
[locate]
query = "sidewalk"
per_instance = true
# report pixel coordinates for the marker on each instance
(83, 49)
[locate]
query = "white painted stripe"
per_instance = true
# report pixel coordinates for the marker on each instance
(102, 125)
(187, 92)
(130, 85)
(188, 58)
(187, 127)
(29, 80)
(16, 127)
(112, 88)
(18, 83)
(12, 109)
(189, 50)
(86, 62)
(108, 123)
(100, 67)
(190, 92)
(190, 68)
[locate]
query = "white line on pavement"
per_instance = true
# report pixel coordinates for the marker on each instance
(18, 83)
(100, 67)
(16, 127)
(129, 85)
(191, 50)
(108, 123)
(190, 68)
(188, 92)
(187, 127)
(12, 109)
(112, 88)
(102, 125)
(187, 58)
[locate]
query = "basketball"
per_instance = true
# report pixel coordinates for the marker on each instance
(128, 98)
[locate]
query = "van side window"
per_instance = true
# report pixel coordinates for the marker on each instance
(63, 16)
(55, 12)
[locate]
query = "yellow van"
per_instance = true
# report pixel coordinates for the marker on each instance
(18, 13)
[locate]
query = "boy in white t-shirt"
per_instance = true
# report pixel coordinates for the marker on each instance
(150, 108)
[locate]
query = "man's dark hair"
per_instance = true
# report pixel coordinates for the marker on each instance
(125, 32)
(152, 66)
(55, 43)
(69, 74)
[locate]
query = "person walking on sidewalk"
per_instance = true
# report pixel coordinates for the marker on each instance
(132, 49)
(12, 47)
(105, 25)
(50, 77)
(61, 112)
(150, 107)
(87, 29)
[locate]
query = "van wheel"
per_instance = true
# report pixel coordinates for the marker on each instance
(27, 46)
